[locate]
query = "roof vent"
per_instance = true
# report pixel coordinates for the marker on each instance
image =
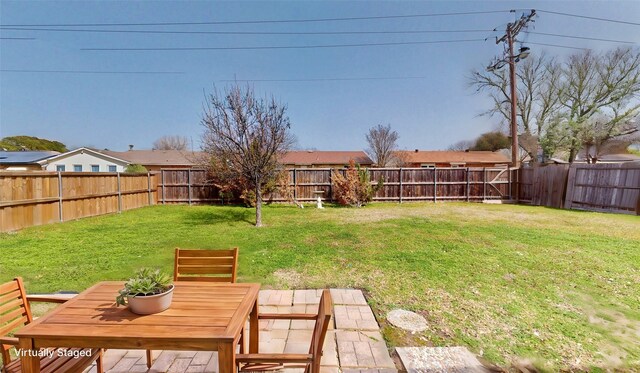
(416, 150)
(130, 147)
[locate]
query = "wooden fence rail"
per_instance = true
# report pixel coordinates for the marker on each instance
(36, 198)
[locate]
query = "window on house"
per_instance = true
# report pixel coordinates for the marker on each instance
(456, 165)
(60, 167)
(77, 168)
(95, 168)
(112, 168)
(428, 165)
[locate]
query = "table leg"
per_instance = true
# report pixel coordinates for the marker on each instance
(226, 357)
(254, 330)
(28, 356)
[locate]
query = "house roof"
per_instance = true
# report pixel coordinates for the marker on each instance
(315, 157)
(25, 157)
(83, 151)
(627, 157)
(158, 157)
(445, 156)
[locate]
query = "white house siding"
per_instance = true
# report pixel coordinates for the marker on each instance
(86, 160)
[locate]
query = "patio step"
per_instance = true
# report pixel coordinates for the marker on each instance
(439, 360)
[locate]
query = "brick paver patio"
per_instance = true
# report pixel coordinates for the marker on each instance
(353, 344)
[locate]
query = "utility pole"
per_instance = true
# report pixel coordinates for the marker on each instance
(512, 31)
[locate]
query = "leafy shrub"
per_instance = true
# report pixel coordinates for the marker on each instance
(144, 282)
(354, 188)
(135, 168)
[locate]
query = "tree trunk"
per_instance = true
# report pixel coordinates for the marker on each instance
(258, 205)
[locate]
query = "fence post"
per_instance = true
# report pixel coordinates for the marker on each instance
(509, 182)
(330, 185)
(435, 184)
(400, 186)
(119, 195)
(149, 186)
(295, 186)
(518, 172)
(60, 195)
(484, 183)
(468, 185)
(162, 176)
(189, 184)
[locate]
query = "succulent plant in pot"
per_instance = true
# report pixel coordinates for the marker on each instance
(149, 291)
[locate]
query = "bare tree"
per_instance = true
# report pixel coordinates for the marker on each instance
(171, 143)
(382, 142)
(245, 137)
(461, 146)
(594, 85)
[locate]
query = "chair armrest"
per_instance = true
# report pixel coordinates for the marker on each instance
(287, 316)
(50, 298)
(8, 341)
(274, 358)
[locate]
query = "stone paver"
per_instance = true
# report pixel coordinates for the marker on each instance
(352, 297)
(275, 297)
(353, 344)
(355, 317)
(439, 360)
(407, 320)
(362, 349)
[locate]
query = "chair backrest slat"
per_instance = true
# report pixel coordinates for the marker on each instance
(325, 311)
(213, 265)
(14, 308)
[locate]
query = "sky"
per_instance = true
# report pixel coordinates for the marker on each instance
(52, 87)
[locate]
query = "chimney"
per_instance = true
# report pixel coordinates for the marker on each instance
(130, 147)
(416, 150)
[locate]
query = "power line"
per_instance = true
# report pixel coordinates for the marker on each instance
(581, 37)
(91, 72)
(263, 21)
(15, 38)
(244, 32)
(589, 17)
(286, 46)
(325, 79)
(556, 45)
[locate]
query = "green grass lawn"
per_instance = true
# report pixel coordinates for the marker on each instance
(518, 285)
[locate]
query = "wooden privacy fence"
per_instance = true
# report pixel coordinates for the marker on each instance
(594, 187)
(36, 198)
(399, 184)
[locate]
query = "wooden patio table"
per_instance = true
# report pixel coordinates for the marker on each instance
(203, 316)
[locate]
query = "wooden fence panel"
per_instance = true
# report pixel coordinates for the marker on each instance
(604, 187)
(543, 185)
(36, 198)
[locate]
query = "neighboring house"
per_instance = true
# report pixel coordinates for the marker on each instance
(24, 160)
(608, 158)
(325, 159)
(83, 160)
(445, 158)
(155, 160)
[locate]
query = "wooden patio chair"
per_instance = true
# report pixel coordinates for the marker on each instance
(311, 361)
(204, 265)
(15, 312)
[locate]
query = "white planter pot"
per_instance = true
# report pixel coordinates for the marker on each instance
(148, 304)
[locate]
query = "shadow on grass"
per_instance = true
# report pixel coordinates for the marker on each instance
(230, 215)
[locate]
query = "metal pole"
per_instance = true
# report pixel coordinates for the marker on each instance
(514, 107)
(435, 184)
(468, 190)
(60, 195)
(119, 195)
